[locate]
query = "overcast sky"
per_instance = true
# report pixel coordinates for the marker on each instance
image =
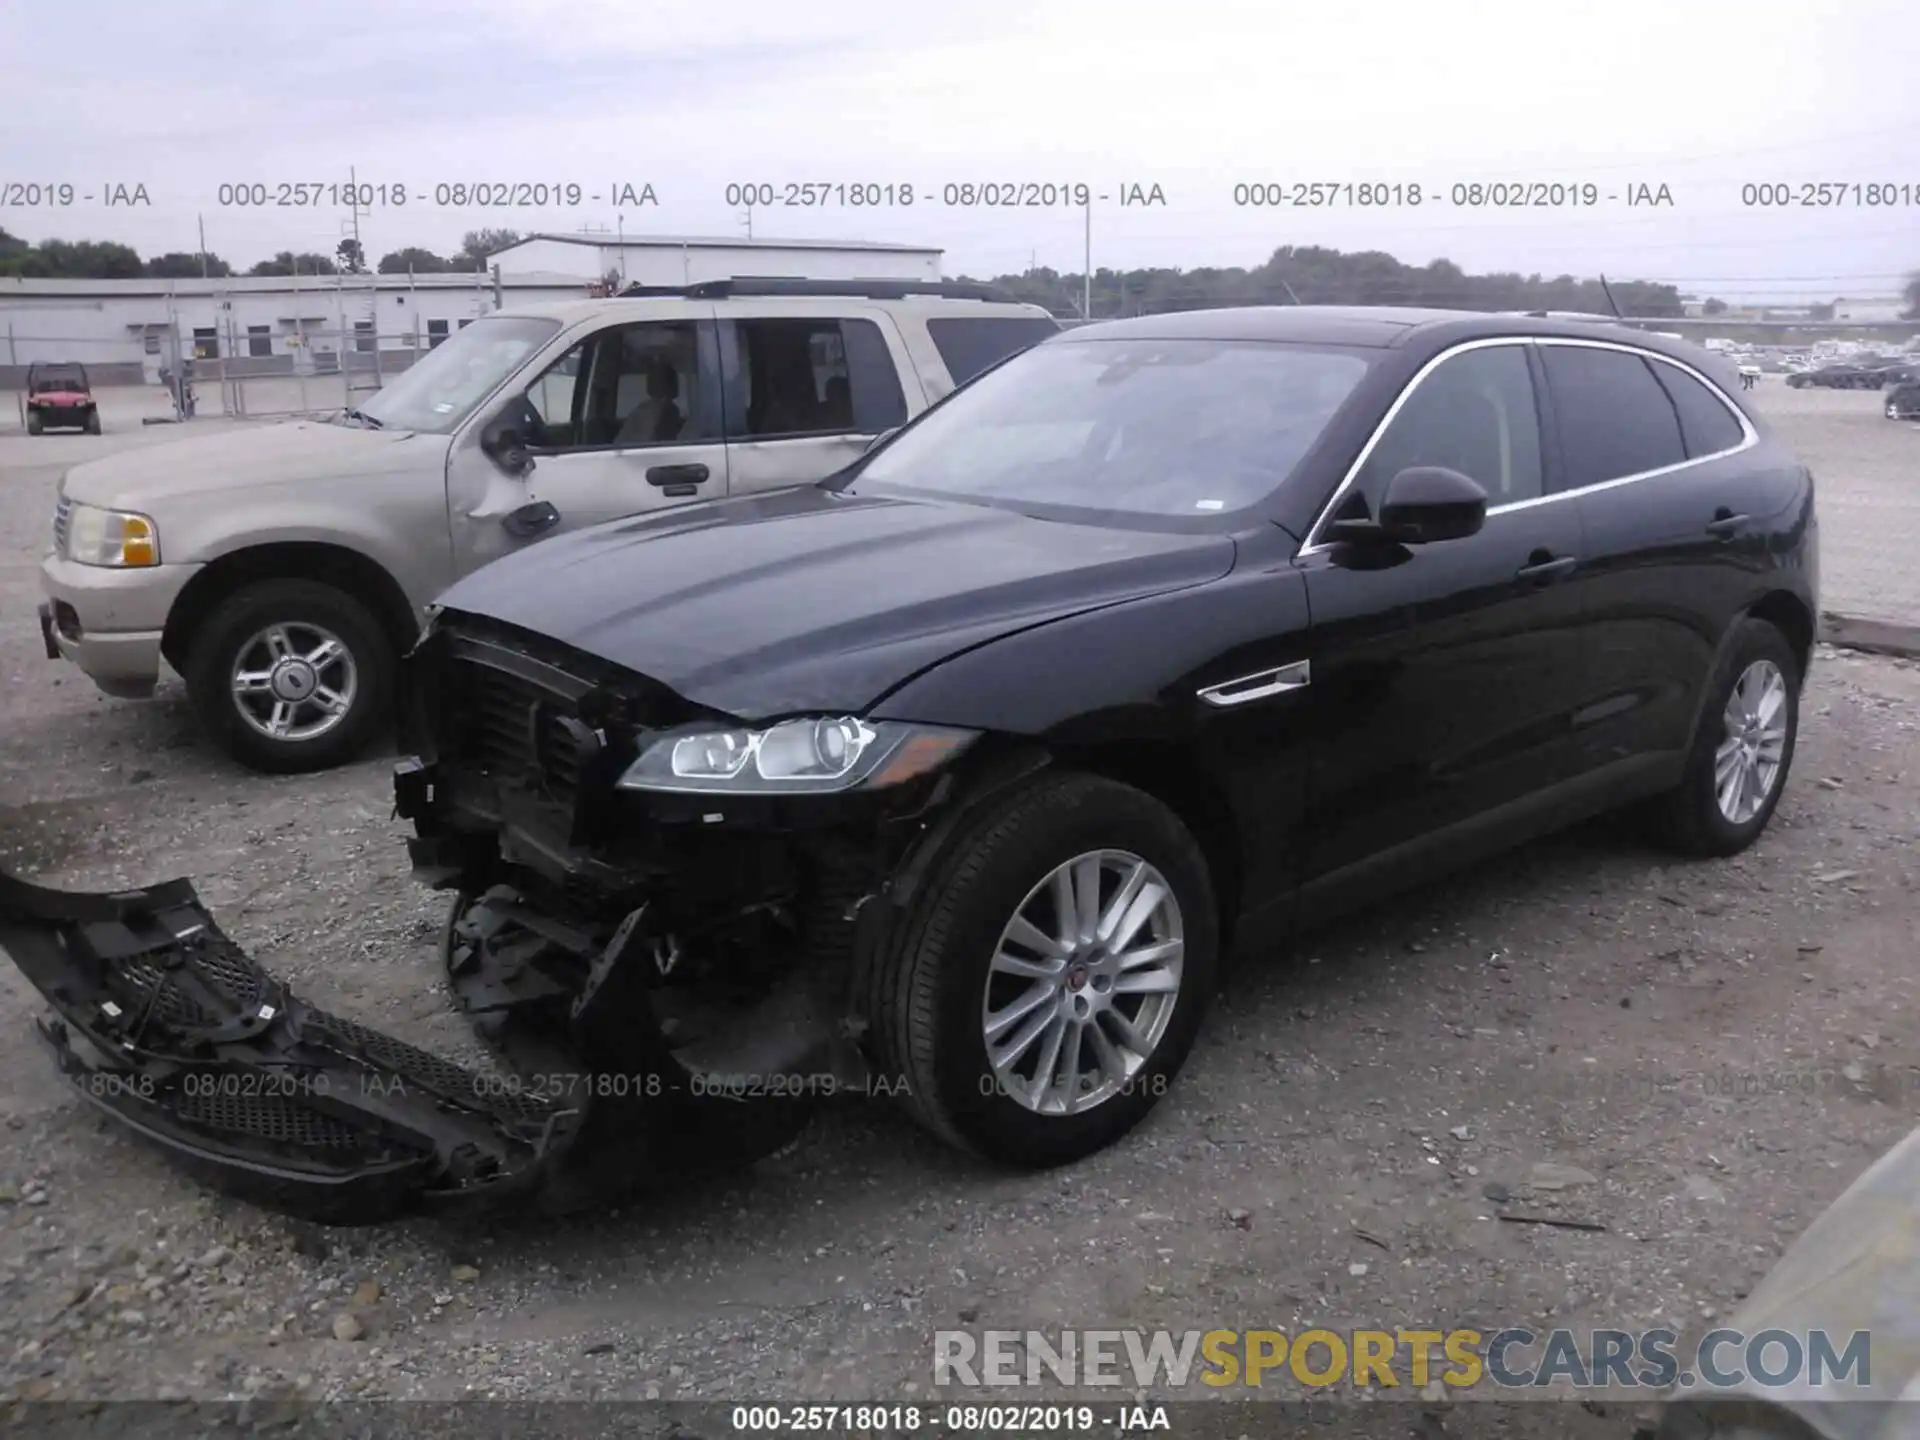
(1699, 96)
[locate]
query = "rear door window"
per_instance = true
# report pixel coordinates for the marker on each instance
(1615, 418)
(969, 344)
(800, 377)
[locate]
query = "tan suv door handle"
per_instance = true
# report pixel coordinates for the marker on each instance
(665, 475)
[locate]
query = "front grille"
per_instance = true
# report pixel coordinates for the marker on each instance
(431, 1073)
(144, 988)
(514, 730)
(531, 712)
(62, 519)
(279, 1119)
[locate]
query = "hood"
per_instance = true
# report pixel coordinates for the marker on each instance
(59, 397)
(804, 600)
(247, 458)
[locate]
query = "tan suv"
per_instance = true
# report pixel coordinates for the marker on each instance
(283, 569)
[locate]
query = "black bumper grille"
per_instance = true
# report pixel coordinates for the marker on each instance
(530, 714)
(514, 730)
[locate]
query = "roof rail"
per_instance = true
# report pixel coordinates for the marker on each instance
(877, 289)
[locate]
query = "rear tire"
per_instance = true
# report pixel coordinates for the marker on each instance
(1696, 818)
(329, 676)
(941, 991)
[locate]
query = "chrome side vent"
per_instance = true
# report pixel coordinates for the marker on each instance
(1260, 685)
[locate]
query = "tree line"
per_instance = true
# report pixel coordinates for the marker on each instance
(110, 260)
(1299, 275)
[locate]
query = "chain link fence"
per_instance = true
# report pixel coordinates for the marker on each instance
(231, 369)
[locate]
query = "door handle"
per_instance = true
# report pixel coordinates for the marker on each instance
(1545, 571)
(530, 520)
(1726, 524)
(665, 475)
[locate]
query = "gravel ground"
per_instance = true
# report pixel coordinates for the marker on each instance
(1697, 1057)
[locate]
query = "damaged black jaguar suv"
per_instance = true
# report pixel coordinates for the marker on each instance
(955, 777)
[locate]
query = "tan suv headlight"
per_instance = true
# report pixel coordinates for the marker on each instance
(119, 538)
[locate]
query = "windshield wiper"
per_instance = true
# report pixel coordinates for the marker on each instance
(364, 418)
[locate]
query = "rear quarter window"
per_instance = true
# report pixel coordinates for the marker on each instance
(1705, 422)
(969, 344)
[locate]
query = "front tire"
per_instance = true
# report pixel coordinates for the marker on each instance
(1743, 751)
(1051, 978)
(93, 422)
(291, 676)
(35, 425)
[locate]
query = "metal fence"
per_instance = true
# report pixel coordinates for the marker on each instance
(236, 370)
(311, 371)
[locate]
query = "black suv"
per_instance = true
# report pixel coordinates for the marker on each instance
(955, 777)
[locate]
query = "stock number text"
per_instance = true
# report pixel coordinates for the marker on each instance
(1319, 194)
(1830, 194)
(306, 194)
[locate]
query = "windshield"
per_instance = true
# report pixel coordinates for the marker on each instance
(1129, 427)
(57, 380)
(441, 389)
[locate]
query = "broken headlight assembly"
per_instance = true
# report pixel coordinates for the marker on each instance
(795, 756)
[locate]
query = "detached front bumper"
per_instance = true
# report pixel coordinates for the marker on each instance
(161, 1021)
(109, 622)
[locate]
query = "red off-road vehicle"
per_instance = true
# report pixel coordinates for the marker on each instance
(59, 398)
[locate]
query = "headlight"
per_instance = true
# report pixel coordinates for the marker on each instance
(839, 753)
(111, 537)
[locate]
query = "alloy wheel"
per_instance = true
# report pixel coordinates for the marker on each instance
(1083, 983)
(294, 681)
(1746, 767)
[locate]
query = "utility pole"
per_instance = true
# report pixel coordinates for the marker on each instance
(747, 217)
(353, 186)
(203, 246)
(1086, 290)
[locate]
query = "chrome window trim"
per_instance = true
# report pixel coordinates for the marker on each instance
(1749, 437)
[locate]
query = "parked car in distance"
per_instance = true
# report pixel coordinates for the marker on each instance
(1867, 374)
(59, 397)
(282, 570)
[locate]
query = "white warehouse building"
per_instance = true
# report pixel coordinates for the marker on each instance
(673, 260)
(128, 331)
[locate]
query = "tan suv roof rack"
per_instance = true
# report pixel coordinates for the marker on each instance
(878, 289)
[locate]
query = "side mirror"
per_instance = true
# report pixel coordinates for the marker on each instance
(506, 446)
(877, 441)
(1423, 504)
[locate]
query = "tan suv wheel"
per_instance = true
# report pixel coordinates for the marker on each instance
(291, 676)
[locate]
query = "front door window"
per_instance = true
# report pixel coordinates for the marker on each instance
(625, 388)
